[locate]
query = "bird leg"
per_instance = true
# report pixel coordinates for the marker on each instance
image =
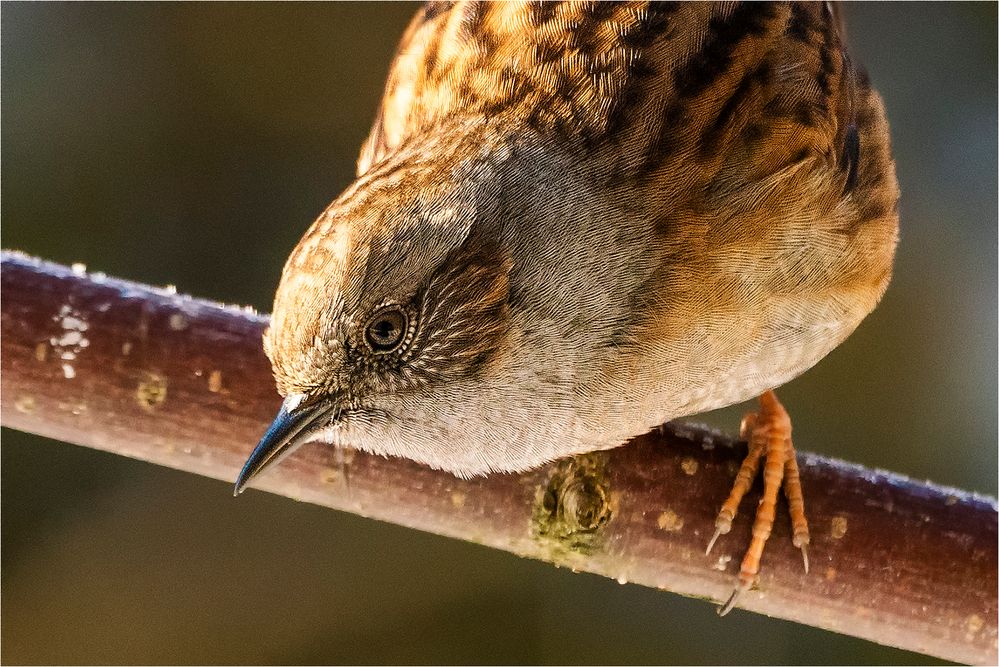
(768, 433)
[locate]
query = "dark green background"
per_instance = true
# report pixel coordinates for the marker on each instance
(192, 144)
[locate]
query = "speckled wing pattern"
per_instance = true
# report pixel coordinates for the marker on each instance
(566, 64)
(705, 86)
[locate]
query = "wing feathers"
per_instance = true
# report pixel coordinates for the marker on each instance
(727, 90)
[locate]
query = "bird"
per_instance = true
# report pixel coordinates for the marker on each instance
(575, 221)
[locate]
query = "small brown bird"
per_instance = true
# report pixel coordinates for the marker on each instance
(573, 222)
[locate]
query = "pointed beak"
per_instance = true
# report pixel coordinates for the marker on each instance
(295, 422)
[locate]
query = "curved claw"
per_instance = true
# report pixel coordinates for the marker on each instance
(804, 556)
(714, 538)
(730, 603)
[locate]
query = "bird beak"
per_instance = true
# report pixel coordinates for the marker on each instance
(295, 422)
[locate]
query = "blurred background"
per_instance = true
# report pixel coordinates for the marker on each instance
(192, 144)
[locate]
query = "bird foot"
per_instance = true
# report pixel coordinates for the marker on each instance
(768, 433)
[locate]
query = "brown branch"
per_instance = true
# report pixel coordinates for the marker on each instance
(184, 383)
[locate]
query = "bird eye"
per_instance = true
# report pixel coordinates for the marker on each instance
(387, 329)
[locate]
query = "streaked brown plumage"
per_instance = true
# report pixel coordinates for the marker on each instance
(575, 221)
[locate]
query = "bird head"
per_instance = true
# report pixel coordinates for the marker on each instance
(396, 294)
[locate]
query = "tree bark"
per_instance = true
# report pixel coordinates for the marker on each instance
(181, 382)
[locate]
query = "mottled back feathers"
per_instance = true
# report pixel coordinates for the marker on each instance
(727, 90)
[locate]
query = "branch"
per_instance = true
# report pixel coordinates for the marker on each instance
(180, 382)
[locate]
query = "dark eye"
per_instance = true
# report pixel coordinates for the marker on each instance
(387, 329)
